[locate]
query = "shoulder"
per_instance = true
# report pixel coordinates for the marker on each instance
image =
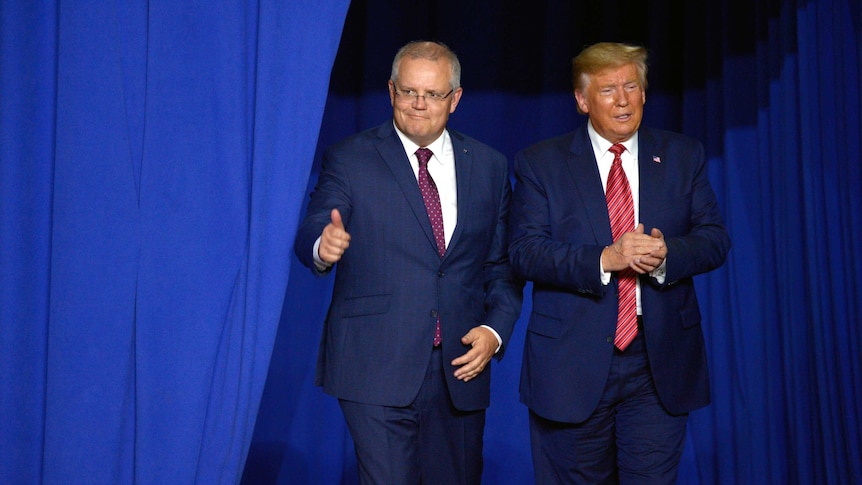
(363, 140)
(668, 139)
(546, 154)
(556, 144)
(461, 142)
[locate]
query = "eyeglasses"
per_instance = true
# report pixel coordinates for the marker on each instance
(410, 95)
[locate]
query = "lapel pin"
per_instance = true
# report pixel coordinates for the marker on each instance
(656, 159)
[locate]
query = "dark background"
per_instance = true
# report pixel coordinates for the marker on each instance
(728, 73)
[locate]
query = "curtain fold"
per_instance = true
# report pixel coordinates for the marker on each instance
(28, 43)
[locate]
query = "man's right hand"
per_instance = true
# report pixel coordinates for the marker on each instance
(627, 251)
(334, 240)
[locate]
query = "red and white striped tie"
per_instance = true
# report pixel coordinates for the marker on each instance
(621, 211)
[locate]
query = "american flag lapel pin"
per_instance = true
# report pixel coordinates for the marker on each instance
(656, 159)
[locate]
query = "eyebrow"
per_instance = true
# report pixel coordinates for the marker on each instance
(614, 84)
(410, 88)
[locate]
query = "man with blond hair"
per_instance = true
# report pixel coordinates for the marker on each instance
(611, 223)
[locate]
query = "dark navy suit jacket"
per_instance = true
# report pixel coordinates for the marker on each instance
(391, 284)
(560, 226)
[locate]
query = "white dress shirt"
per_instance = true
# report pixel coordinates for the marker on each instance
(441, 168)
(604, 160)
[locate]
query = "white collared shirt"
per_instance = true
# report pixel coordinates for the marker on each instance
(441, 168)
(604, 160)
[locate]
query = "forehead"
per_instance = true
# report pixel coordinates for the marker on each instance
(424, 72)
(616, 75)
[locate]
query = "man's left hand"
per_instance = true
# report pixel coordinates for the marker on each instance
(648, 263)
(471, 364)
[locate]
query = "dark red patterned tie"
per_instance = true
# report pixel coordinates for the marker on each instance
(435, 212)
(621, 211)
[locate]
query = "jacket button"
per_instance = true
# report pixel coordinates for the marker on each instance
(440, 274)
(434, 313)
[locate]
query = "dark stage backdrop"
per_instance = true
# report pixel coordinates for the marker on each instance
(772, 89)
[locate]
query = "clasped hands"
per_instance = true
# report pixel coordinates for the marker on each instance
(335, 240)
(641, 252)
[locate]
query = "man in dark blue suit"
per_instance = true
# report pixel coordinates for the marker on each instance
(614, 356)
(423, 298)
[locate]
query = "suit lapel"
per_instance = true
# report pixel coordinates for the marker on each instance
(463, 172)
(651, 171)
(583, 169)
(392, 152)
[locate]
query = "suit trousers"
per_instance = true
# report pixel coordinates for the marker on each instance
(629, 439)
(427, 442)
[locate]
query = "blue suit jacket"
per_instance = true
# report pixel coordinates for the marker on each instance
(391, 284)
(560, 226)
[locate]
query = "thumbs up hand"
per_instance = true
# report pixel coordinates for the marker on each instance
(334, 240)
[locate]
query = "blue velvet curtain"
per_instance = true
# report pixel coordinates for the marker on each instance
(772, 89)
(153, 159)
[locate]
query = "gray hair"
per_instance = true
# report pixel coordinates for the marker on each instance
(432, 51)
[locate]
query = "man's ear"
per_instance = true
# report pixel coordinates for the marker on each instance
(582, 102)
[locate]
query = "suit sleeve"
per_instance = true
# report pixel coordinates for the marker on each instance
(707, 242)
(331, 192)
(503, 291)
(543, 248)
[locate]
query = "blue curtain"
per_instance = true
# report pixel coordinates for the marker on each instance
(153, 159)
(772, 89)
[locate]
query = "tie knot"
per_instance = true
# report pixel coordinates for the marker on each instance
(423, 154)
(617, 149)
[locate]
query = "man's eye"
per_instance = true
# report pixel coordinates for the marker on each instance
(434, 95)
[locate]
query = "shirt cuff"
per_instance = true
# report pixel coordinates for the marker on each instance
(660, 273)
(499, 340)
(606, 277)
(320, 264)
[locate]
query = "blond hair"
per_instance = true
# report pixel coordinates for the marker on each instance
(604, 55)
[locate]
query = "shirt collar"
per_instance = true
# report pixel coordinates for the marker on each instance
(437, 146)
(601, 146)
